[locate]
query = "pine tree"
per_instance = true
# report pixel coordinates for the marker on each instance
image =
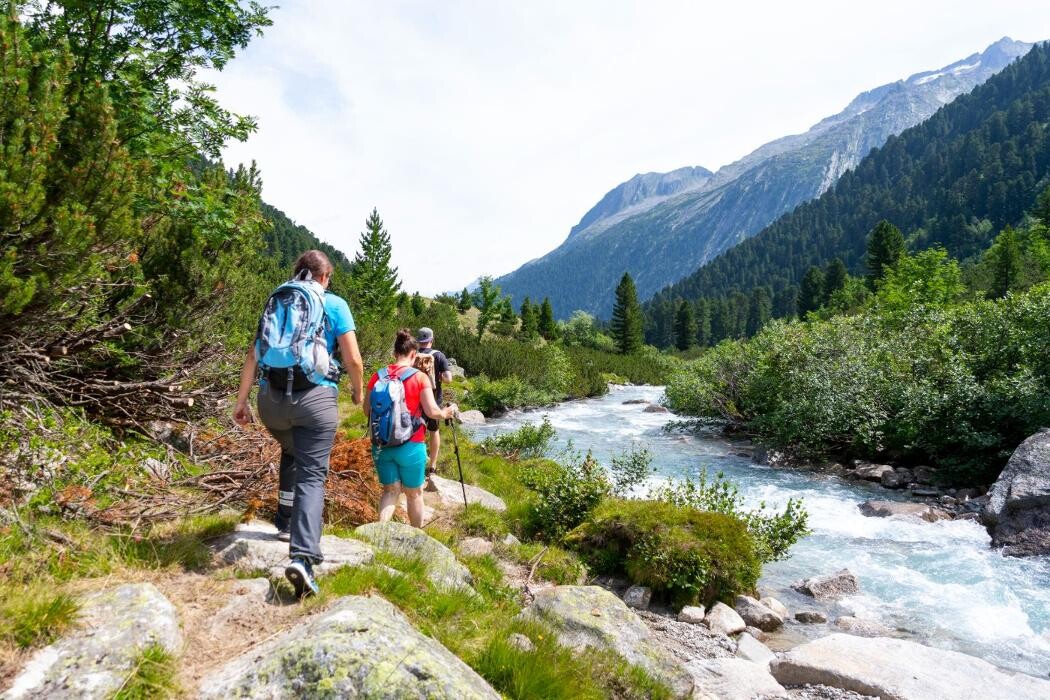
(546, 325)
(418, 304)
(834, 278)
(811, 292)
(1006, 263)
(785, 302)
(488, 299)
(627, 317)
(885, 248)
(375, 284)
(684, 326)
(530, 319)
(760, 308)
(703, 322)
(466, 301)
(506, 311)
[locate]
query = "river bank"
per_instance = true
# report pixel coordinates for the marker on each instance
(938, 583)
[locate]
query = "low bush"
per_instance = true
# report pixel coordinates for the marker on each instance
(566, 494)
(688, 555)
(527, 441)
(496, 396)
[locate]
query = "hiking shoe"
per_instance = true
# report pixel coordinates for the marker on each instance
(284, 535)
(301, 575)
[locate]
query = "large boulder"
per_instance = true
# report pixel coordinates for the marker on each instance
(360, 647)
(829, 587)
(1018, 510)
(897, 478)
(872, 472)
(897, 669)
(590, 616)
(254, 547)
(115, 627)
(889, 509)
(862, 627)
(724, 620)
(755, 614)
(733, 679)
(451, 494)
(401, 540)
(471, 417)
(750, 649)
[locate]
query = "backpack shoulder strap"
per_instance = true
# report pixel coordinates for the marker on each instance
(407, 373)
(383, 373)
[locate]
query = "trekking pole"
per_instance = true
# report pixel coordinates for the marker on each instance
(455, 448)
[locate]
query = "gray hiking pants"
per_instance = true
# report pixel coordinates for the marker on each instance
(305, 424)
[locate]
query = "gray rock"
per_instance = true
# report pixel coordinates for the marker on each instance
(926, 492)
(360, 647)
(829, 587)
(520, 641)
(898, 669)
(635, 402)
(723, 619)
(926, 476)
(510, 540)
(472, 417)
(401, 540)
(872, 472)
(590, 616)
(475, 547)
(451, 494)
(733, 679)
(455, 369)
(638, 597)
(254, 547)
(862, 628)
(887, 509)
(1018, 510)
(750, 649)
(93, 661)
(899, 478)
(756, 614)
(655, 408)
(775, 605)
(756, 633)
(693, 614)
(811, 617)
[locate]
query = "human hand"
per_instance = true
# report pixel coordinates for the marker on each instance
(356, 397)
(451, 411)
(242, 414)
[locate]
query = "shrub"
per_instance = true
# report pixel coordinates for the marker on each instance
(566, 494)
(684, 553)
(630, 469)
(527, 441)
(495, 396)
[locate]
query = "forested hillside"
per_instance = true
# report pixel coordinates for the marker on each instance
(286, 240)
(953, 181)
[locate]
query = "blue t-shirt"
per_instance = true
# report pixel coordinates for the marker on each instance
(340, 321)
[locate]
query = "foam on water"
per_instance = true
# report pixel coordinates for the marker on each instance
(939, 583)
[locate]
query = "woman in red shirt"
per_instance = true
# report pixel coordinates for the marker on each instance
(403, 468)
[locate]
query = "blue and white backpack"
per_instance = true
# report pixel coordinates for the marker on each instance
(389, 421)
(290, 345)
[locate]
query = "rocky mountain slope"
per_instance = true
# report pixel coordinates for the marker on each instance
(662, 227)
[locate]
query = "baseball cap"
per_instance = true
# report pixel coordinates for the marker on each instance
(424, 335)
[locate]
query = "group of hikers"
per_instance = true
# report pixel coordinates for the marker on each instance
(292, 360)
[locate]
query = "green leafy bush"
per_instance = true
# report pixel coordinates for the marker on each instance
(566, 494)
(630, 469)
(527, 441)
(684, 553)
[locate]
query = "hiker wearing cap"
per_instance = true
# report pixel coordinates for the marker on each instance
(299, 331)
(442, 373)
(397, 398)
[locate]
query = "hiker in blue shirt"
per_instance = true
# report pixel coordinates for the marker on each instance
(298, 404)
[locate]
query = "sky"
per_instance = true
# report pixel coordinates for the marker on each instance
(482, 130)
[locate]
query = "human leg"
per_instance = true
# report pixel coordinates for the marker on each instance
(275, 415)
(388, 501)
(433, 448)
(414, 499)
(315, 417)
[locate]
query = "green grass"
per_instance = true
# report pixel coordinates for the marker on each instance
(155, 675)
(36, 615)
(557, 565)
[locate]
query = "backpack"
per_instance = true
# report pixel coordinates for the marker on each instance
(290, 344)
(390, 422)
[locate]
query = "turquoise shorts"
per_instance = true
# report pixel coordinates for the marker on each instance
(405, 463)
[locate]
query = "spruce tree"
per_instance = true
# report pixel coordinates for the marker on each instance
(466, 301)
(885, 248)
(834, 278)
(684, 326)
(1006, 263)
(547, 326)
(489, 300)
(375, 284)
(418, 304)
(530, 319)
(760, 308)
(703, 322)
(627, 321)
(785, 302)
(811, 291)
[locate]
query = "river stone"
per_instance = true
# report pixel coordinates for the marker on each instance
(1018, 510)
(897, 669)
(733, 679)
(811, 617)
(93, 661)
(830, 586)
(655, 408)
(451, 494)
(360, 647)
(475, 547)
(254, 546)
(590, 616)
(638, 597)
(402, 540)
(898, 478)
(750, 649)
(756, 614)
(886, 509)
(472, 417)
(723, 619)
(925, 476)
(872, 472)
(862, 628)
(693, 614)
(633, 402)
(775, 605)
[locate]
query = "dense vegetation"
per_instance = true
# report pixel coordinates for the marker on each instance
(953, 181)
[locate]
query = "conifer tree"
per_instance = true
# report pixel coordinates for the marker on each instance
(418, 304)
(546, 325)
(466, 301)
(375, 284)
(627, 321)
(703, 322)
(785, 302)
(811, 291)
(834, 278)
(760, 308)
(885, 248)
(488, 299)
(530, 319)
(684, 326)
(1006, 263)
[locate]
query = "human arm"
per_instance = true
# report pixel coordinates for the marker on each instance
(443, 367)
(429, 404)
(242, 414)
(354, 365)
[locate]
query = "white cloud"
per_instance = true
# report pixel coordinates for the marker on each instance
(483, 130)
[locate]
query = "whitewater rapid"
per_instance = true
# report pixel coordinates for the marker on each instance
(938, 583)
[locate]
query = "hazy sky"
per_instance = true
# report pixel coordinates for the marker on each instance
(483, 130)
